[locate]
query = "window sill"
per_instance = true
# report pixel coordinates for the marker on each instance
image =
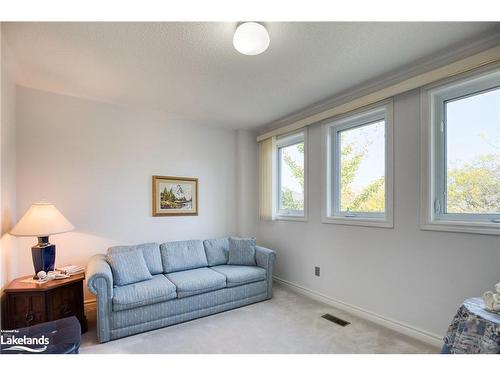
(290, 218)
(359, 221)
(462, 227)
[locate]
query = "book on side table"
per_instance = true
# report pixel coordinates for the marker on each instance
(71, 269)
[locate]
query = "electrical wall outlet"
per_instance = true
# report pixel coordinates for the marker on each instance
(316, 271)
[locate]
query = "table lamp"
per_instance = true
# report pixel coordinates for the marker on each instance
(42, 220)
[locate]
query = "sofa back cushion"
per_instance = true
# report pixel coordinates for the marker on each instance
(217, 251)
(241, 251)
(182, 255)
(128, 267)
(151, 252)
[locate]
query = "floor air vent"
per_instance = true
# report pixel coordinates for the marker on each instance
(334, 319)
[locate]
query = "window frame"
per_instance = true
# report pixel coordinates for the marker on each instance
(331, 157)
(433, 153)
(282, 141)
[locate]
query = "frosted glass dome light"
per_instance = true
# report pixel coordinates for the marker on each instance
(251, 38)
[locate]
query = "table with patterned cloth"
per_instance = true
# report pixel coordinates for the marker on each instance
(473, 330)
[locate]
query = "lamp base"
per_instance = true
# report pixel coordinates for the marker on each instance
(44, 255)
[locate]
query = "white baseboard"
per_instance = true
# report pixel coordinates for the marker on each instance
(90, 304)
(405, 329)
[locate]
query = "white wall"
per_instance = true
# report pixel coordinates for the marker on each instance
(416, 277)
(94, 161)
(247, 177)
(8, 164)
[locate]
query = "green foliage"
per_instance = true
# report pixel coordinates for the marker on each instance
(350, 165)
(289, 202)
(472, 188)
(475, 187)
(371, 199)
(167, 198)
(167, 195)
(287, 199)
(297, 170)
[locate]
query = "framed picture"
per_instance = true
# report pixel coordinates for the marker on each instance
(175, 196)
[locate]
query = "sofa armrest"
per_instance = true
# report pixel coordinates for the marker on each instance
(99, 269)
(265, 258)
(100, 282)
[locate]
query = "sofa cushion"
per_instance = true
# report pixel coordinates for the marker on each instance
(241, 251)
(128, 267)
(143, 293)
(151, 252)
(217, 251)
(239, 275)
(182, 255)
(196, 281)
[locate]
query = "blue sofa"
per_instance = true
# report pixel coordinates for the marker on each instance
(188, 280)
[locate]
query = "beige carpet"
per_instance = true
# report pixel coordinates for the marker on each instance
(289, 323)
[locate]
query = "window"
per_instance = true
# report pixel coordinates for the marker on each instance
(291, 176)
(461, 154)
(359, 168)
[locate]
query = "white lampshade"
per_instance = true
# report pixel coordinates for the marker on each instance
(41, 220)
(251, 38)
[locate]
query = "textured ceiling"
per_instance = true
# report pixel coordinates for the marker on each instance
(192, 71)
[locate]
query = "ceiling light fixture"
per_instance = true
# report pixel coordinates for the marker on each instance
(251, 38)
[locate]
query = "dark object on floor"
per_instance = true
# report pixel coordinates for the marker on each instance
(29, 304)
(473, 330)
(334, 319)
(61, 336)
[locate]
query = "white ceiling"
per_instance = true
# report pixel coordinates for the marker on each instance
(191, 70)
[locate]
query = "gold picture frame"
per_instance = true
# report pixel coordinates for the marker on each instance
(175, 196)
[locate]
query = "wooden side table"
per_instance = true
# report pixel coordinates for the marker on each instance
(29, 304)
